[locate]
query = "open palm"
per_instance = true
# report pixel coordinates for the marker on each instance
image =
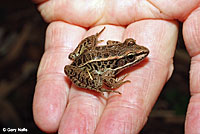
(60, 106)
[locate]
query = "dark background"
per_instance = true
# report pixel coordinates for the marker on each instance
(22, 34)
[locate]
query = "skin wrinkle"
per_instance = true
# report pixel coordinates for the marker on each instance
(59, 77)
(120, 122)
(160, 62)
(192, 30)
(125, 126)
(155, 12)
(193, 116)
(102, 14)
(129, 13)
(90, 10)
(147, 95)
(44, 67)
(155, 6)
(133, 105)
(176, 11)
(90, 98)
(163, 63)
(194, 34)
(57, 37)
(194, 74)
(87, 97)
(96, 112)
(85, 127)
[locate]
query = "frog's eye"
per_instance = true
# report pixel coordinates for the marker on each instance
(130, 57)
(130, 42)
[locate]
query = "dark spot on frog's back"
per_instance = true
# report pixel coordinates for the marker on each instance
(99, 55)
(88, 40)
(81, 79)
(120, 62)
(85, 42)
(111, 61)
(74, 63)
(108, 66)
(97, 48)
(99, 63)
(113, 53)
(105, 55)
(79, 61)
(103, 47)
(95, 66)
(105, 62)
(88, 56)
(70, 71)
(110, 46)
(93, 56)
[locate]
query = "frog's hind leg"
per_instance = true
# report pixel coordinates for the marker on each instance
(83, 78)
(97, 34)
(86, 44)
(93, 39)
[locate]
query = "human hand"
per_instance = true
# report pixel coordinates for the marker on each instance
(60, 106)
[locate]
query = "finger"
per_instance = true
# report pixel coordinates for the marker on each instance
(115, 12)
(128, 113)
(191, 34)
(78, 12)
(52, 86)
(85, 106)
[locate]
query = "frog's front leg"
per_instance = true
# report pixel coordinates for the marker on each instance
(86, 44)
(112, 82)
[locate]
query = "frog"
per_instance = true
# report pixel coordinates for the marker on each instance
(94, 66)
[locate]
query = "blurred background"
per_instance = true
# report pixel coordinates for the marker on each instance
(22, 34)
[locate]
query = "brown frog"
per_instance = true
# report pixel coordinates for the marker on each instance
(94, 66)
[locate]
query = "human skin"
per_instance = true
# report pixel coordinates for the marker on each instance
(60, 106)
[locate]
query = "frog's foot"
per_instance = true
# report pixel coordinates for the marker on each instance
(122, 78)
(115, 82)
(97, 34)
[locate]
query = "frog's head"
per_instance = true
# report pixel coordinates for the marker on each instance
(135, 53)
(131, 54)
